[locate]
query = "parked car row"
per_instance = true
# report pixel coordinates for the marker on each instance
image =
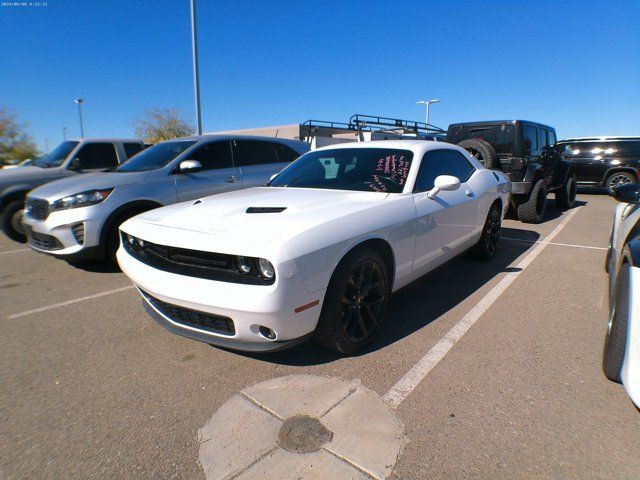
(237, 242)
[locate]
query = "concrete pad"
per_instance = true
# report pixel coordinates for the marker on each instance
(236, 436)
(284, 465)
(366, 433)
(300, 394)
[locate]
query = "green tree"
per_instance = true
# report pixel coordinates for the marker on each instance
(158, 124)
(15, 142)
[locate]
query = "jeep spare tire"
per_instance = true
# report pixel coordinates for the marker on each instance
(482, 151)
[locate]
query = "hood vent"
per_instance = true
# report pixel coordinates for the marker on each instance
(266, 209)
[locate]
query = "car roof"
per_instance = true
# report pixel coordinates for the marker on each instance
(223, 136)
(414, 145)
(500, 122)
(603, 138)
(106, 139)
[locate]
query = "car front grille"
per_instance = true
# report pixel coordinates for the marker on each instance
(78, 233)
(42, 241)
(36, 208)
(192, 318)
(191, 263)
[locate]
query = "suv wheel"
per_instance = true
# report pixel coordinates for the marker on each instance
(11, 221)
(355, 303)
(482, 151)
(615, 342)
(566, 196)
(532, 211)
(619, 178)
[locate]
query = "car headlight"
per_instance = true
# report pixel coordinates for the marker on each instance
(84, 199)
(259, 267)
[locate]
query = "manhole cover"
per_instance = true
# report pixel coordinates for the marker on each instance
(303, 434)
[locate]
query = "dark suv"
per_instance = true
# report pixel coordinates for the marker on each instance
(603, 162)
(524, 151)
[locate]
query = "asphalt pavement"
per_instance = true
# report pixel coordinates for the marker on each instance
(91, 387)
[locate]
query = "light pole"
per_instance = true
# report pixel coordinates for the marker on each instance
(196, 74)
(426, 103)
(64, 133)
(79, 102)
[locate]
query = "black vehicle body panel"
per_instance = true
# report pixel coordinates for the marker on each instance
(598, 158)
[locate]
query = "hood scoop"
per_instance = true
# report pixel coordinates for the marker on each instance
(266, 209)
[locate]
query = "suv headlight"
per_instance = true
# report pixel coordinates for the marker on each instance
(83, 199)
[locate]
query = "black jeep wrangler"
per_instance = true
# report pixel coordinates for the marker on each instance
(524, 151)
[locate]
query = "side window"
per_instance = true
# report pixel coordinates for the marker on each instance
(130, 149)
(442, 162)
(552, 137)
(97, 156)
(285, 154)
(542, 137)
(254, 152)
(214, 155)
(530, 139)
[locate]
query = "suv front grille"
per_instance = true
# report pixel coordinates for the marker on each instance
(192, 318)
(36, 208)
(42, 241)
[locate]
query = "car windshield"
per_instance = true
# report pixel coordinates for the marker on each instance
(359, 169)
(157, 156)
(57, 156)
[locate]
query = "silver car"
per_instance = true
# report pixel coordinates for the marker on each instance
(78, 218)
(69, 159)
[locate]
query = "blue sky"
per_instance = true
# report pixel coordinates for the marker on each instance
(572, 64)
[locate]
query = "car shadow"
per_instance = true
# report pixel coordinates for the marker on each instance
(423, 301)
(551, 213)
(95, 266)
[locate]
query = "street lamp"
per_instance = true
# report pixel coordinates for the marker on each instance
(79, 102)
(196, 73)
(426, 103)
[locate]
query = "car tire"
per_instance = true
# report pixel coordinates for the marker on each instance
(11, 221)
(487, 246)
(532, 211)
(566, 196)
(619, 178)
(482, 151)
(615, 342)
(355, 303)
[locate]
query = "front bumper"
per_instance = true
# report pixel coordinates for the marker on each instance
(73, 233)
(248, 306)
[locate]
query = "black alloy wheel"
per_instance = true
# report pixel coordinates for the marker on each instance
(494, 227)
(619, 178)
(487, 246)
(363, 301)
(355, 302)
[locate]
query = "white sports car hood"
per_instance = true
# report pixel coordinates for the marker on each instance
(256, 215)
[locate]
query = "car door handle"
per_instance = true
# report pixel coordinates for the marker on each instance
(469, 192)
(231, 179)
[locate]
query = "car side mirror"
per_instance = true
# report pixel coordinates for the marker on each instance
(446, 183)
(190, 166)
(627, 193)
(75, 164)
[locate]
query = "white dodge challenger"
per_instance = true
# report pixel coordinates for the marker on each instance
(317, 251)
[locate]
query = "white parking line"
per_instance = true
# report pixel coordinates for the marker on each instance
(401, 390)
(69, 302)
(15, 251)
(553, 243)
